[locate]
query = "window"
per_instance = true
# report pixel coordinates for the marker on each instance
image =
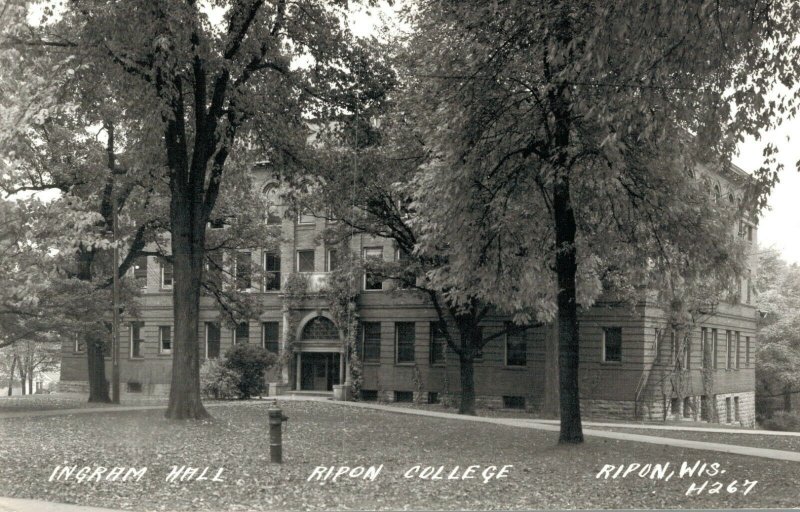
(736, 416)
(516, 347)
(728, 350)
(369, 395)
(270, 336)
(717, 193)
(213, 336)
(673, 349)
(687, 407)
(244, 271)
(140, 271)
(433, 397)
(728, 415)
(306, 217)
(749, 284)
(513, 402)
(749, 233)
(272, 204)
(687, 352)
(674, 405)
(747, 351)
(272, 271)
(371, 340)
(438, 343)
(80, 344)
(166, 275)
(165, 339)
(241, 335)
(305, 261)
(738, 343)
(612, 344)
(134, 387)
(704, 348)
(136, 338)
(332, 260)
(714, 349)
(479, 343)
(371, 281)
(406, 281)
(213, 268)
(404, 338)
(403, 396)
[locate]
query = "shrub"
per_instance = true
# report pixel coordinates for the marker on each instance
(782, 420)
(218, 381)
(250, 362)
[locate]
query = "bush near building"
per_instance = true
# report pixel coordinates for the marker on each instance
(250, 362)
(218, 381)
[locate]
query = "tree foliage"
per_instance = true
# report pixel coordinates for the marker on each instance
(561, 134)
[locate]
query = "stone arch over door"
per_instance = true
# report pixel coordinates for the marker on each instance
(311, 318)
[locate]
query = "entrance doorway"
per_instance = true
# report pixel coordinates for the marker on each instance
(319, 371)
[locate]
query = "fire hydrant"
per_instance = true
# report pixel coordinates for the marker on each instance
(276, 419)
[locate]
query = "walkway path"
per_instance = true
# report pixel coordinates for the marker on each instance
(681, 428)
(19, 505)
(547, 425)
(766, 453)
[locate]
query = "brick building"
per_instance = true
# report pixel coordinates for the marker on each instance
(632, 364)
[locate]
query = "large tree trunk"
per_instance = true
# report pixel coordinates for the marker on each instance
(96, 368)
(11, 374)
(550, 401)
(188, 237)
(568, 340)
(98, 386)
(467, 371)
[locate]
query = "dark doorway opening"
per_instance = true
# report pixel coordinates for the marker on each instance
(318, 371)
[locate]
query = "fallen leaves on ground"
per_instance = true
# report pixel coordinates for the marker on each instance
(544, 475)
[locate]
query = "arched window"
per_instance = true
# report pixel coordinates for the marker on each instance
(272, 201)
(717, 193)
(319, 328)
(731, 199)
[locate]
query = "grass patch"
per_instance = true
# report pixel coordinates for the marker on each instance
(543, 476)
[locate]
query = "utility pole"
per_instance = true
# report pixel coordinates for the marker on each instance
(115, 297)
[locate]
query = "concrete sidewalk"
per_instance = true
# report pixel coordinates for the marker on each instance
(20, 505)
(646, 426)
(546, 425)
(749, 451)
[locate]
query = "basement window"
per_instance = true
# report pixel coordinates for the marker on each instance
(403, 396)
(369, 395)
(514, 402)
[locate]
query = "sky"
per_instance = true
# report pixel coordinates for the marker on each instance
(779, 225)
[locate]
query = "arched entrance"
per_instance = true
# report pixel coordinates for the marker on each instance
(319, 355)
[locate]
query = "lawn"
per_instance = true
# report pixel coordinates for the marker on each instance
(543, 475)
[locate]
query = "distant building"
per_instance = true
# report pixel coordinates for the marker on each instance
(631, 363)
